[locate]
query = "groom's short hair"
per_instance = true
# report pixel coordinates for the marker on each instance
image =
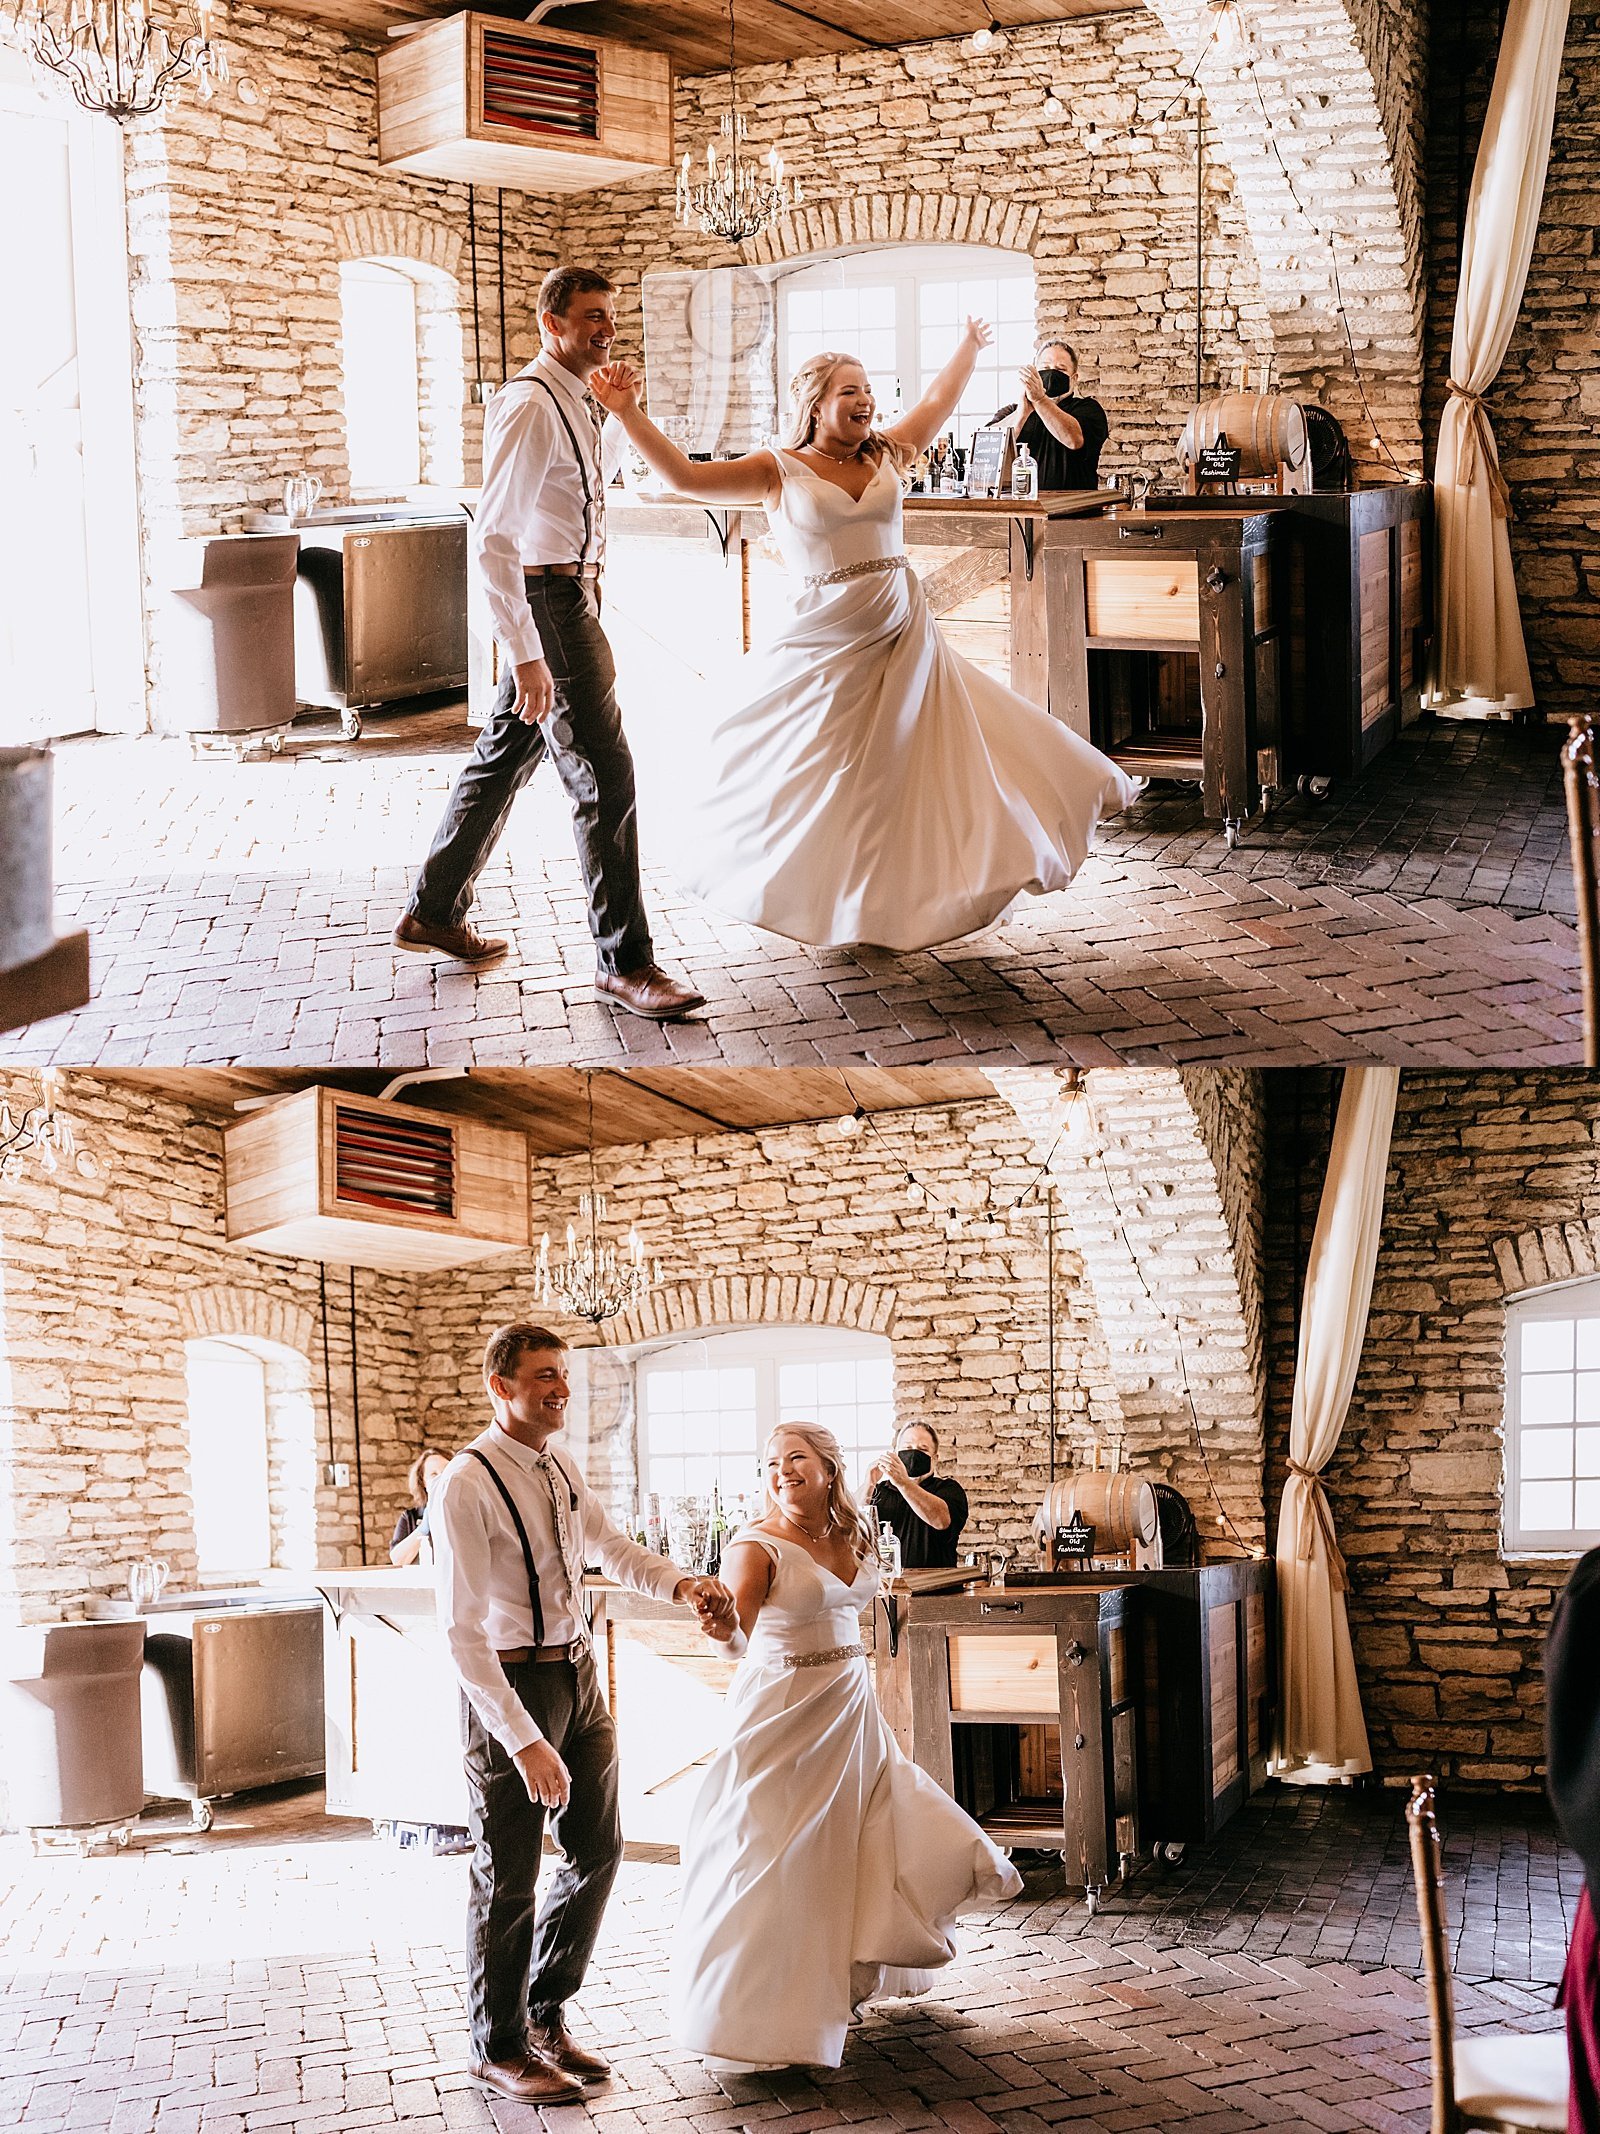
(562, 284)
(507, 1346)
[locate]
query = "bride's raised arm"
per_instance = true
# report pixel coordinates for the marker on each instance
(750, 480)
(919, 426)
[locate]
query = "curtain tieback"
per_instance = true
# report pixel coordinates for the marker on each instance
(1321, 1522)
(1481, 433)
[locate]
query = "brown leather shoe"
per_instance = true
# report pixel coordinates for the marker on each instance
(556, 2044)
(529, 2080)
(464, 942)
(648, 992)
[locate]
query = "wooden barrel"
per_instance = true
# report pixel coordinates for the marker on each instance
(1268, 428)
(1121, 1508)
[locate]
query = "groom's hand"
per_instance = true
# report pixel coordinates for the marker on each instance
(616, 387)
(712, 1603)
(544, 1774)
(536, 691)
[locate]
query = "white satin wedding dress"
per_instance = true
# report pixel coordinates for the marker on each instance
(874, 786)
(821, 1868)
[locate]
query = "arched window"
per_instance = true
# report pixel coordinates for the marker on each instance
(382, 377)
(252, 1456)
(1552, 1436)
(900, 311)
(708, 1405)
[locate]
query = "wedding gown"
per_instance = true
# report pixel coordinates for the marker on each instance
(874, 786)
(821, 1868)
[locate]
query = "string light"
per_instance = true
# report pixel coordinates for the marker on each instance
(989, 38)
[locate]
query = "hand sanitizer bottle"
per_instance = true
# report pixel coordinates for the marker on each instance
(1024, 474)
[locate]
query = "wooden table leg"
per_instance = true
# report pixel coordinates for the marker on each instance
(1030, 618)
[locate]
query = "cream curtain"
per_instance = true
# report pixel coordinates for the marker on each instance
(1321, 1733)
(1480, 655)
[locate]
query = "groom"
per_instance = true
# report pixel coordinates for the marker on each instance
(540, 539)
(513, 1525)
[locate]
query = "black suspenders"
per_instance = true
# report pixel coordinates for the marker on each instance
(583, 469)
(484, 1461)
(509, 1501)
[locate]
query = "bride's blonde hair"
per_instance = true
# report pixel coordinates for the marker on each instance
(844, 1514)
(806, 389)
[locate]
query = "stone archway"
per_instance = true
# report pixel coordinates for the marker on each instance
(279, 1335)
(1555, 1252)
(1343, 82)
(727, 1301)
(429, 255)
(865, 219)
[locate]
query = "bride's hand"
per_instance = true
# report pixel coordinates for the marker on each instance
(979, 333)
(616, 386)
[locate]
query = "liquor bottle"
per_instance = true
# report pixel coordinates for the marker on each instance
(655, 1539)
(717, 1534)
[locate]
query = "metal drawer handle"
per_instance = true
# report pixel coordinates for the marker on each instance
(1143, 533)
(999, 1607)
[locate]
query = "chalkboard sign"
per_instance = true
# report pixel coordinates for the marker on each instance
(1219, 462)
(1075, 1540)
(989, 461)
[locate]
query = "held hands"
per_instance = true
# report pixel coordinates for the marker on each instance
(617, 387)
(544, 1774)
(712, 1603)
(536, 691)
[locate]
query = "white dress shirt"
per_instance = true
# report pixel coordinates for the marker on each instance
(530, 509)
(485, 1607)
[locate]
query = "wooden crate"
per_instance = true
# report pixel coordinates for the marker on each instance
(493, 101)
(301, 1177)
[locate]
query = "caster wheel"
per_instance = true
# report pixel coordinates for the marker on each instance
(200, 1816)
(120, 1839)
(275, 745)
(1173, 1854)
(350, 725)
(1091, 1900)
(1232, 830)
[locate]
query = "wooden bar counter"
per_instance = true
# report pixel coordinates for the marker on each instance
(1094, 1714)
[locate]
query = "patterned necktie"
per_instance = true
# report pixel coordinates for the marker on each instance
(572, 1560)
(596, 553)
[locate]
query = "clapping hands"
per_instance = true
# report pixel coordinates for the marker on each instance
(1032, 385)
(890, 1468)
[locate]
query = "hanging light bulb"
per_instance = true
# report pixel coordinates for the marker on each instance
(850, 1124)
(1054, 107)
(914, 1189)
(1226, 28)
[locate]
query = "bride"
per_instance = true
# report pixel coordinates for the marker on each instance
(822, 1868)
(873, 786)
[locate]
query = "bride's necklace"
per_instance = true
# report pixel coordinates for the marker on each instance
(799, 1529)
(838, 460)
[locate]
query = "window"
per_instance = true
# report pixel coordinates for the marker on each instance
(382, 395)
(706, 1408)
(228, 1462)
(901, 310)
(1552, 1483)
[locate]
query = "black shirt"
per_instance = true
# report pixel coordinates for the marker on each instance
(1572, 1716)
(923, 1547)
(409, 1520)
(1060, 467)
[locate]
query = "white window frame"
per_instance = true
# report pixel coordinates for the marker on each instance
(411, 476)
(113, 560)
(904, 268)
(765, 1349)
(255, 1466)
(1564, 1300)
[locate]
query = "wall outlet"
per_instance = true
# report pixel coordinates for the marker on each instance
(337, 1474)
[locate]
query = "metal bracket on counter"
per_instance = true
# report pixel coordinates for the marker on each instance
(1030, 535)
(891, 1618)
(721, 524)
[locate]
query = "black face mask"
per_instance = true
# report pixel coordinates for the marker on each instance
(916, 1464)
(1056, 382)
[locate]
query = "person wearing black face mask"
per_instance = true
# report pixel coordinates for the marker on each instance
(1572, 1755)
(926, 1510)
(1064, 430)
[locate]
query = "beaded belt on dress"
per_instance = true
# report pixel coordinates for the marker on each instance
(861, 570)
(823, 1659)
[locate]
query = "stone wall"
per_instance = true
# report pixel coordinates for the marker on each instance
(1448, 1637)
(1546, 400)
(102, 1281)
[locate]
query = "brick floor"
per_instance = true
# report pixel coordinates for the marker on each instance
(286, 1973)
(242, 912)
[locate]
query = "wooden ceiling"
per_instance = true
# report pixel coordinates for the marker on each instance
(632, 1104)
(695, 32)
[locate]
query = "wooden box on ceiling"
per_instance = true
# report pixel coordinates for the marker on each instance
(325, 1176)
(493, 101)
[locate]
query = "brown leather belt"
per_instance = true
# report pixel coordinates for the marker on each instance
(541, 1655)
(561, 570)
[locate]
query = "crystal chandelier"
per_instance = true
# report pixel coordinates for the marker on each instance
(739, 195)
(43, 1135)
(595, 1278)
(115, 57)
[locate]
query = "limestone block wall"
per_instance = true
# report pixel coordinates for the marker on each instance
(1448, 1636)
(1546, 400)
(102, 1281)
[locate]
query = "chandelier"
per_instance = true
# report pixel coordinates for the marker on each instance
(739, 195)
(114, 57)
(43, 1135)
(596, 1278)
